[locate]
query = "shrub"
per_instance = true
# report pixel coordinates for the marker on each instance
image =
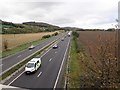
(46, 36)
(75, 36)
(55, 34)
(5, 45)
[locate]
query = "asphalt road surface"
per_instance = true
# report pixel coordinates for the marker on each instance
(48, 75)
(14, 59)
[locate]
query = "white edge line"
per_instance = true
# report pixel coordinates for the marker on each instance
(56, 52)
(39, 74)
(61, 67)
(50, 59)
(27, 57)
(24, 71)
(45, 53)
(1, 64)
(16, 78)
(21, 51)
(26, 48)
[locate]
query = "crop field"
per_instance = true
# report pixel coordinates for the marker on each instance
(95, 39)
(98, 58)
(14, 40)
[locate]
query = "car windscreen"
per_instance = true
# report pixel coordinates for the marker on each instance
(30, 65)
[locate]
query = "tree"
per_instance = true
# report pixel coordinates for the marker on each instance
(5, 45)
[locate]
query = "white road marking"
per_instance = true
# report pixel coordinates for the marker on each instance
(45, 53)
(61, 67)
(42, 52)
(19, 55)
(39, 74)
(50, 59)
(55, 52)
(24, 71)
(16, 78)
(1, 64)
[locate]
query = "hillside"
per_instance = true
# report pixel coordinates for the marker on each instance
(40, 24)
(27, 27)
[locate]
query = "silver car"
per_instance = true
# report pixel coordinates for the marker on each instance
(55, 46)
(31, 47)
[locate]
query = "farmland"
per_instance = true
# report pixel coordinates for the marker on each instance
(98, 64)
(93, 39)
(99, 58)
(15, 40)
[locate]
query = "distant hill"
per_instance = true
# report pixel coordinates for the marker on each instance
(10, 24)
(27, 27)
(40, 24)
(73, 29)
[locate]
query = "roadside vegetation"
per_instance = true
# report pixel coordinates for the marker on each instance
(12, 44)
(13, 70)
(27, 27)
(101, 62)
(74, 65)
(94, 64)
(17, 37)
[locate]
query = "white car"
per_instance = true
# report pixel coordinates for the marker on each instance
(55, 46)
(32, 47)
(33, 65)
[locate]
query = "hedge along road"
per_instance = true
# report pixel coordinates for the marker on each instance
(8, 62)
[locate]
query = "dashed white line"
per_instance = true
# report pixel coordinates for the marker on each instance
(50, 59)
(24, 71)
(55, 52)
(55, 85)
(45, 53)
(1, 64)
(39, 74)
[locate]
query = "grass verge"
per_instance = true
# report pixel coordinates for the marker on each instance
(15, 68)
(74, 66)
(20, 48)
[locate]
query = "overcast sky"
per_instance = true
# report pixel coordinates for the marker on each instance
(74, 13)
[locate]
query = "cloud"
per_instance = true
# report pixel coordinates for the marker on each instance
(80, 13)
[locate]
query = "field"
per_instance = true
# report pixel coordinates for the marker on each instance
(95, 39)
(98, 57)
(14, 40)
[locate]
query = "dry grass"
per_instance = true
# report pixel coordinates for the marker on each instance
(19, 39)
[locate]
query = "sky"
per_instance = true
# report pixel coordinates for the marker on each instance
(64, 13)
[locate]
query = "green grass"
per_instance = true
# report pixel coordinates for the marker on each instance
(15, 68)
(74, 67)
(20, 48)
(77, 69)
